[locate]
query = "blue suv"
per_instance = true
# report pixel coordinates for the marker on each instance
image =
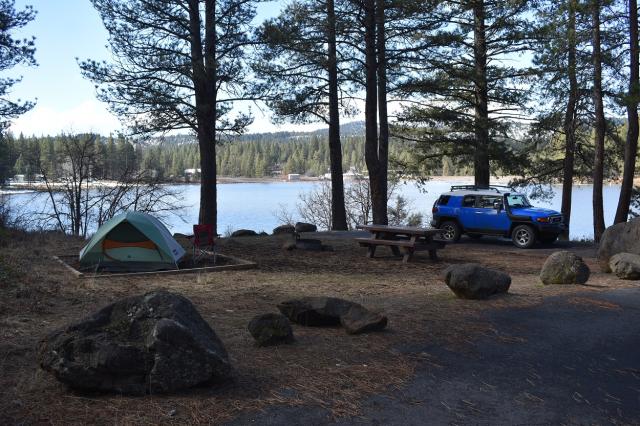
(492, 211)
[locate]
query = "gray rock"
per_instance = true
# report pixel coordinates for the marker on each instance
(271, 329)
(309, 244)
(284, 229)
(564, 267)
(622, 237)
(154, 343)
(305, 227)
(473, 281)
(625, 265)
(315, 311)
(360, 320)
(332, 311)
(289, 245)
(244, 233)
(305, 244)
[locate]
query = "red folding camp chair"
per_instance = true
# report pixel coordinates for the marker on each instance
(204, 242)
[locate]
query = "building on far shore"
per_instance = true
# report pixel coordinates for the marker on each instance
(291, 177)
(37, 178)
(191, 174)
(352, 174)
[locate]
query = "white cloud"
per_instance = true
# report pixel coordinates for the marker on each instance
(88, 116)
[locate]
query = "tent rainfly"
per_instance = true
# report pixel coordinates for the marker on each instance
(131, 241)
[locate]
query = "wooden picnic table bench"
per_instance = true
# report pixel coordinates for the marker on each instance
(402, 240)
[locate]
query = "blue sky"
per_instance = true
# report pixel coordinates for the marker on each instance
(66, 102)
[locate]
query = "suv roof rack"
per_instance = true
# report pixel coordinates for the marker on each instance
(496, 188)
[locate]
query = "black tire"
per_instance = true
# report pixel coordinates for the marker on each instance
(523, 236)
(451, 230)
(475, 236)
(548, 240)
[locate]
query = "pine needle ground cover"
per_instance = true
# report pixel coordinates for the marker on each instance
(324, 368)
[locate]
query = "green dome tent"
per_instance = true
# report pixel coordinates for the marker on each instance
(131, 241)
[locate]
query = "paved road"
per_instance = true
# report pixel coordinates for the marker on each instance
(571, 360)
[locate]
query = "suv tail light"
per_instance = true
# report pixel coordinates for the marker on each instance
(434, 209)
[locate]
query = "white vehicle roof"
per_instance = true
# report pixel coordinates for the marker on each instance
(463, 190)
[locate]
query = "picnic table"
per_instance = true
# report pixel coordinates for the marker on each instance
(402, 240)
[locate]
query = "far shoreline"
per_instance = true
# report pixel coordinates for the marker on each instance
(25, 187)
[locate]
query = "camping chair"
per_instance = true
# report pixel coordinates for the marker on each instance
(203, 242)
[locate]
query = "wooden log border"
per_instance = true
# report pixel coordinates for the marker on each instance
(240, 265)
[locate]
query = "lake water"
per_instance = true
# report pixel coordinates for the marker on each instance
(253, 205)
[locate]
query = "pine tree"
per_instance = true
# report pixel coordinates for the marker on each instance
(631, 99)
(300, 63)
(562, 128)
(13, 51)
(466, 94)
(179, 65)
(599, 124)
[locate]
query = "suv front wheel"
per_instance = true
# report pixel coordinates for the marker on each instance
(450, 231)
(523, 236)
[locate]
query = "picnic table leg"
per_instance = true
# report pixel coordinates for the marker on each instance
(371, 250)
(433, 254)
(408, 251)
(408, 254)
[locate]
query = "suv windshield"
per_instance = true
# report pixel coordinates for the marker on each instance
(517, 201)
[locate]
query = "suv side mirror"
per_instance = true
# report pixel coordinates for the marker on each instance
(497, 205)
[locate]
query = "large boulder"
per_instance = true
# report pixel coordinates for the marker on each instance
(284, 229)
(473, 281)
(622, 237)
(305, 227)
(244, 233)
(332, 311)
(564, 267)
(271, 329)
(154, 343)
(309, 244)
(625, 265)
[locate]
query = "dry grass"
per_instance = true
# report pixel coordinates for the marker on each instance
(325, 367)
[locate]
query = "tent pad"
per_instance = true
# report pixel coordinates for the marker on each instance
(131, 241)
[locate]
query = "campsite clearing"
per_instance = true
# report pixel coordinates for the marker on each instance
(430, 358)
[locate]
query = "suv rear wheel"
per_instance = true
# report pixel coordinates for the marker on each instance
(450, 231)
(523, 236)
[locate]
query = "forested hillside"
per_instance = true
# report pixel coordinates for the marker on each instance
(254, 155)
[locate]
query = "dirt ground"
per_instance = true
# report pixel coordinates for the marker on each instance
(324, 370)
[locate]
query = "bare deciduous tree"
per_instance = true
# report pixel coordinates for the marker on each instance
(75, 204)
(315, 206)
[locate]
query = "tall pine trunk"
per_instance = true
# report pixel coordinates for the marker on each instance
(371, 103)
(599, 126)
(481, 123)
(569, 124)
(205, 76)
(338, 211)
(381, 190)
(631, 145)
